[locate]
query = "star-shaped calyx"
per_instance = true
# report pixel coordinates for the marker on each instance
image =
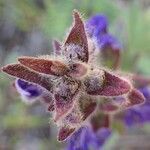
(76, 87)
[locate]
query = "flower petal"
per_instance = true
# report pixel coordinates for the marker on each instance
(44, 66)
(132, 117)
(32, 89)
(108, 85)
(108, 41)
(77, 36)
(28, 91)
(65, 132)
(20, 71)
(97, 24)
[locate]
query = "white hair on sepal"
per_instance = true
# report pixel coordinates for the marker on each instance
(47, 57)
(72, 51)
(78, 115)
(53, 58)
(95, 58)
(126, 77)
(92, 51)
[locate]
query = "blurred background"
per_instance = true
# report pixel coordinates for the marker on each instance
(27, 27)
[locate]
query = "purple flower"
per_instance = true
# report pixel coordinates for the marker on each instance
(137, 116)
(85, 138)
(97, 27)
(146, 93)
(97, 24)
(133, 117)
(28, 91)
(108, 41)
(102, 135)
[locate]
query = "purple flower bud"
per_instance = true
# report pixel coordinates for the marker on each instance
(97, 24)
(28, 91)
(107, 41)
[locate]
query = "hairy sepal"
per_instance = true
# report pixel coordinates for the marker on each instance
(20, 71)
(83, 109)
(106, 84)
(45, 66)
(100, 120)
(77, 37)
(108, 106)
(134, 97)
(65, 132)
(66, 93)
(74, 120)
(77, 70)
(87, 105)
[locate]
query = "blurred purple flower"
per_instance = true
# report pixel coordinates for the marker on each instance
(108, 41)
(28, 91)
(85, 138)
(141, 113)
(146, 93)
(133, 117)
(96, 25)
